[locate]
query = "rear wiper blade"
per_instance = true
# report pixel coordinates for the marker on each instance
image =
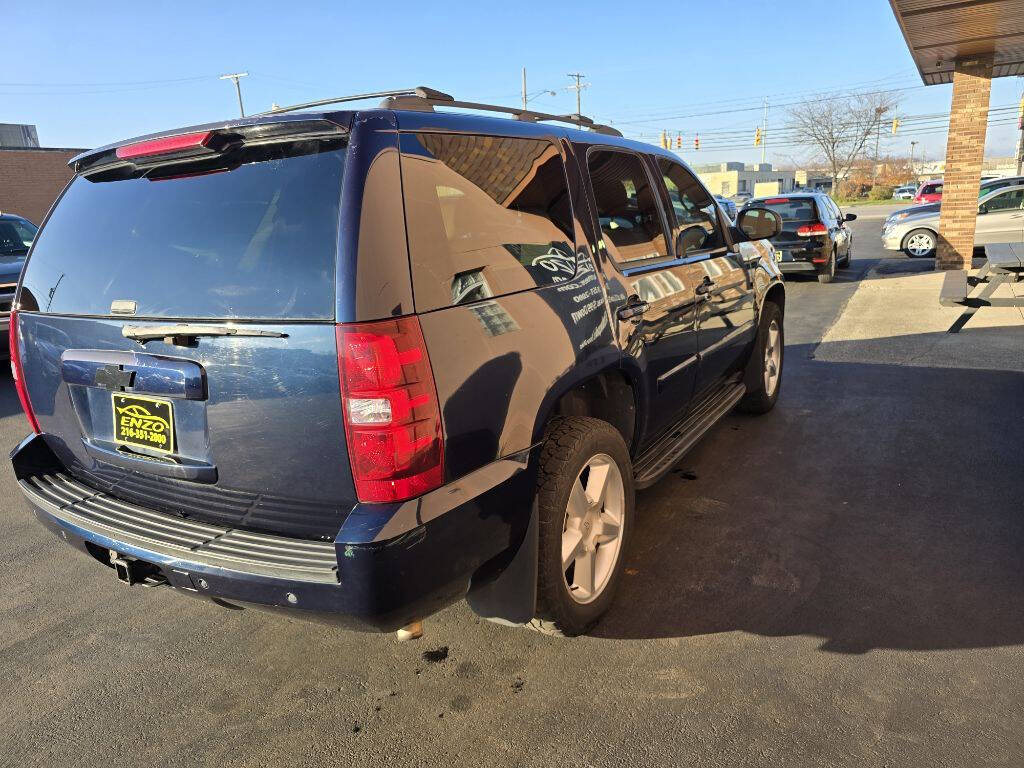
(181, 332)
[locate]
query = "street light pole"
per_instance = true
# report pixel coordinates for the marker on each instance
(764, 130)
(238, 88)
(524, 89)
(912, 145)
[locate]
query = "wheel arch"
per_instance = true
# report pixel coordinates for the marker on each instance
(610, 395)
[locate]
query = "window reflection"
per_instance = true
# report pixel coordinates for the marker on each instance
(627, 211)
(486, 216)
(696, 226)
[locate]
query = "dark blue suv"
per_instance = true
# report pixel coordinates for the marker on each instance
(363, 364)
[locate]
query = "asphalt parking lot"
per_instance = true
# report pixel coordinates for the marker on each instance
(836, 583)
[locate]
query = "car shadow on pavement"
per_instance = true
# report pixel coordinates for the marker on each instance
(878, 506)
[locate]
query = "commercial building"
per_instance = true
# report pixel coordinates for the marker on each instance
(18, 135)
(727, 179)
(31, 176)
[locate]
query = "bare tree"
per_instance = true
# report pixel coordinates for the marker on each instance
(839, 126)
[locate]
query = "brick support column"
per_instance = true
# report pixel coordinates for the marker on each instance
(965, 150)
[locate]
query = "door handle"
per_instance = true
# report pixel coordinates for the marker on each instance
(705, 287)
(633, 309)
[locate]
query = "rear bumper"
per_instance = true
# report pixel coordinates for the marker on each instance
(402, 562)
(797, 266)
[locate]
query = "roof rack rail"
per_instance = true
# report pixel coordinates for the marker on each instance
(423, 99)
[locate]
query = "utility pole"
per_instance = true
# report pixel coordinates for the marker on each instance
(524, 89)
(579, 92)
(912, 174)
(1020, 134)
(764, 129)
(238, 89)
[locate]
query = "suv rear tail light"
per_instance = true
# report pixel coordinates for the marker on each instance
(16, 373)
(392, 417)
(810, 230)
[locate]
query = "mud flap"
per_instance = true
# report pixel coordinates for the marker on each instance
(510, 597)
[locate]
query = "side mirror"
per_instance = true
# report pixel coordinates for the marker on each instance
(850, 217)
(982, 209)
(759, 223)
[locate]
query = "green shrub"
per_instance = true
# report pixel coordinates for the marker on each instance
(880, 192)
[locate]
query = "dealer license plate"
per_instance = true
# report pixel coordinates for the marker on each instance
(145, 422)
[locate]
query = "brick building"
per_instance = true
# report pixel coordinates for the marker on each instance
(966, 43)
(31, 178)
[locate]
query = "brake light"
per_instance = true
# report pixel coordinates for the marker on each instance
(17, 375)
(810, 230)
(776, 200)
(389, 403)
(165, 146)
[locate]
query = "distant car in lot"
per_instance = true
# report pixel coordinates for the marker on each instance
(905, 192)
(727, 205)
(986, 187)
(742, 197)
(814, 237)
(1000, 220)
(929, 192)
(16, 235)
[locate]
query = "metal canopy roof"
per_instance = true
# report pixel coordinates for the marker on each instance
(938, 32)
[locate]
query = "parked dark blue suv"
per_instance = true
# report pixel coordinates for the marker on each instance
(361, 365)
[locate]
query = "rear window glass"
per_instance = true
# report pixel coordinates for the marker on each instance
(931, 189)
(257, 242)
(790, 208)
(486, 216)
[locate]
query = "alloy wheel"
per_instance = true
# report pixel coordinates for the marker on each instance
(920, 244)
(772, 358)
(592, 531)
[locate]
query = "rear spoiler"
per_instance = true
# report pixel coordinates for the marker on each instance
(204, 141)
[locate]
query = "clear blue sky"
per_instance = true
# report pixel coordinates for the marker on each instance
(91, 79)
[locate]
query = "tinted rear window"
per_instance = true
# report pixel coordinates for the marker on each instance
(486, 216)
(790, 208)
(931, 189)
(257, 241)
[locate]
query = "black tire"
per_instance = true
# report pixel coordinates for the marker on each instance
(830, 270)
(569, 444)
(920, 255)
(758, 400)
(848, 260)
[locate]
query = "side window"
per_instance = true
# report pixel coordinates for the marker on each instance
(486, 216)
(833, 208)
(1011, 199)
(695, 224)
(627, 209)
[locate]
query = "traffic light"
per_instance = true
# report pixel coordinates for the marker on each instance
(895, 124)
(757, 138)
(679, 141)
(696, 142)
(664, 140)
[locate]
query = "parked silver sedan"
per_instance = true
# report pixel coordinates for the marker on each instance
(1000, 220)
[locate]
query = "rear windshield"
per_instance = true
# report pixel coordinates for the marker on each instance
(790, 208)
(931, 189)
(256, 242)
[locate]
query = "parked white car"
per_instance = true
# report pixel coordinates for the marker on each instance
(905, 192)
(1000, 220)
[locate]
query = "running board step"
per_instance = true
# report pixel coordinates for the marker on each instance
(665, 454)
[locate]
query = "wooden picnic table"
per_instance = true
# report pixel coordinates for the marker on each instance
(1004, 263)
